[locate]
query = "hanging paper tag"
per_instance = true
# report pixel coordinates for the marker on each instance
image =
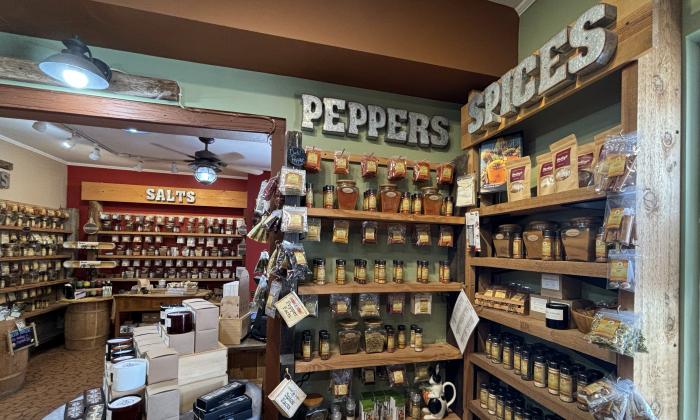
(292, 309)
(287, 397)
(473, 231)
(466, 191)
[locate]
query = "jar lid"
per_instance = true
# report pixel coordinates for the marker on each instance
(548, 232)
(510, 227)
(373, 322)
(348, 323)
(429, 190)
(417, 195)
(566, 369)
(540, 225)
(540, 358)
(388, 187)
(380, 262)
(554, 364)
(397, 262)
(585, 222)
(346, 182)
(340, 261)
(401, 327)
(594, 375)
(328, 187)
(371, 191)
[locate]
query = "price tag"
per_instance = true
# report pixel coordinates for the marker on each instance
(292, 309)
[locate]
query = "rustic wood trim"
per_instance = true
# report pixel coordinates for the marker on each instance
(27, 71)
(129, 193)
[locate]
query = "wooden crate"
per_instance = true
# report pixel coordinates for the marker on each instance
(508, 305)
(202, 366)
(233, 330)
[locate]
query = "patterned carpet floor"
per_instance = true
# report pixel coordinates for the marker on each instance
(54, 377)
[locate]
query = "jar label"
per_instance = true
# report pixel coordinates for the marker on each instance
(555, 314)
(434, 197)
(390, 194)
(532, 238)
(500, 236)
(573, 233)
(347, 190)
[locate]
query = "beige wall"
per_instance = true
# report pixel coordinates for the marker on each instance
(35, 179)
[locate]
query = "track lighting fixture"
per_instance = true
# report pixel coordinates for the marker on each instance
(40, 126)
(69, 143)
(95, 154)
(76, 67)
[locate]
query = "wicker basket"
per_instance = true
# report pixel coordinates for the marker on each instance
(582, 320)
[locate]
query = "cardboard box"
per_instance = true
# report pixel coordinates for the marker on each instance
(162, 364)
(181, 343)
(146, 341)
(560, 287)
(162, 402)
(191, 391)
(232, 331)
(205, 340)
(206, 314)
(147, 329)
(538, 306)
(200, 366)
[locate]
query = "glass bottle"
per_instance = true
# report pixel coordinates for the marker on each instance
(371, 200)
(328, 196)
(335, 413)
(548, 245)
(324, 344)
(319, 271)
(417, 203)
(412, 341)
(601, 247)
(507, 354)
(517, 352)
(350, 409)
(496, 350)
(540, 371)
(526, 365)
(361, 271)
(484, 396)
(567, 383)
(380, 271)
(401, 336)
(398, 276)
(340, 271)
(518, 245)
(487, 346)
(558, 246)
(419, 340)
(500, 405)
(306, 347)
(491, 406)
(405, 205)
(553, 377)
(390, 340)
(309, 195)
(416, 405)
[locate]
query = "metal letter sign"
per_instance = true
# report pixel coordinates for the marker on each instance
(346, 118)
(547, 71)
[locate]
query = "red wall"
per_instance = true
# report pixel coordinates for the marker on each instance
(78, 174)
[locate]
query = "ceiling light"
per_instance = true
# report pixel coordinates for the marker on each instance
(69, 143)
(40, 126)
(95, 154)
(206, 174)
(173, 168)
(139, 166)
(76, 67)
(133, 130)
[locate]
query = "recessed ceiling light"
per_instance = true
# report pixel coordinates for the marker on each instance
(69, 143)
(40, 126)
(95, 154)
(76, 67)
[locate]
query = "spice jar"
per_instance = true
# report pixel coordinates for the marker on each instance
(380, 271)
(432, 201)
(416, 405)
(540, 371)
(507, 353)
(328, 196)
(496, 350)
(503, 239)
(500, 404)
(374, 336)
(340, 271)
(306, 346)
(488, 345)
(553, 377)
(557, 316)
(419, 340)
(447, 206)
(580, 239)
(517, 245)
(319, 271)
(491, 405)
(508, 413)
(348, 336)
(517, 353)
(417, 203)
(389, 198)
(422, 271)
(412, 341)
(398, 272)
(360, 271)
(347, 194)
(601, 247)
(370, 200)
(484, 395)
(324, 344)
(567, 383)
(444, 272)
(532, 236)
(405, 205)
(309, 195)
(390, 340)
(548, 245)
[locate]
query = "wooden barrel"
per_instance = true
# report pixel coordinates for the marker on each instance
(13, 368)
(87, 324)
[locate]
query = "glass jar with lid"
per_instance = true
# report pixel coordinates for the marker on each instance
(340, 271)
(447, 206)
(348, 336)
(579, 239)
(405, 204)
(547, 253)
(496, 350)
(398, 271)
(533, 236)
(389, 198)
(540, 371)
(432, 201)
(444, 272)
(417, 203)
(360, 272)
(328, 196)
(370, 200)
(507, 353)
(347, 194)
(503, 239)
(313, 405)
(374, 336)
(601, 247)
(380, 271)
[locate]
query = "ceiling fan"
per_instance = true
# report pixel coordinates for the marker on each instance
(208, 164)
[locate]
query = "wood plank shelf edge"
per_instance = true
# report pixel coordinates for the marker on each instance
(158, 257)
(542, 203)
(121, 280)
(50, 308)
(350, 288)
(430, 353)
(35, 229)
(32, 286)
(384, 217)
(572, 268)
(476, 409)
(194, 235)
(572, 338)
(528, 389)
(36, 257)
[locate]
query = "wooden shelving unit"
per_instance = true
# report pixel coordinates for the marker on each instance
(476, 409)
(352, 287)
(35, 229)
(550, 202)
(34, 258)
(158, 257)
(121, 280)
(528, 389)
(53, 307)
(175, 234)
(571, 338)
(384, 217)
(431, 353)
(32, 286)
(572, 268)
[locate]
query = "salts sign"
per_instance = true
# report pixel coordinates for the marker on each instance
(552, 68)
(147, 194)
(345, 118)
(166, 195)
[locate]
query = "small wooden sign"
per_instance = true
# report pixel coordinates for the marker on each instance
(21, 338)
(152, 194)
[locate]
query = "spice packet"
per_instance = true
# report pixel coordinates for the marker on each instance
(545, 175)
(294, 219)
(621, 266)
(620, 331)
(445, 173)
(313, 160)
(292, 181)
(369, 232)
(395, 303)
(609, 401)
(313, 233)
(446, 238)
(586, 163)
(564, 159)
(368, 304)
(396, 234)
(341, 163)
(341, 380)
(421, 171)
(341, 231)
(616, 170)
(620, 226)
(421, 372)
(466, 191)
(423, 235)
(341, 306)
(368, 166)
(421, 304)
(396, 375)
(311, 303)
(272, 297)
(518, 178)
(396, 168)
(369, 375)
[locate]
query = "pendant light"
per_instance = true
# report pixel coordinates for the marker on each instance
(76, 67)
(206, 174)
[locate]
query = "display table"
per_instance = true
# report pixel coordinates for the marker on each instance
(145, 303)
(87, 322)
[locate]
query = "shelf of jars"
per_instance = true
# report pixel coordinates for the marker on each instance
(36, 258)
(170, 225)
(34, 229)
(573, 268)
(160, 257)
(54, 306)
(550, 202)
(384, 217)
(198, 279)
(11, 289)
(21, 216)
(353, 287)
(171, 234)
(430, 353)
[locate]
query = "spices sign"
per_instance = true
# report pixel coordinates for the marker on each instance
(549, 70)
(345, 118)
(149, 194)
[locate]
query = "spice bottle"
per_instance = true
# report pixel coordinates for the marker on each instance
(548, 245)
(371, 196)
(488, 345)
(380, 271)
(415, 405)
(447, 206)
(517, 353)
(324, 344)
(361, 271)
(309, 195)
(491, 406)
(412, 341)
(328, 196)
(508, 354)
(405, 205)
(484, 396)
(508, 412)
(540, 371)
(340, 271)
(567, 383)
(419, 340)
(319, 271)
(444, 272)
(496, 350)
(558, 246)
(601, 247)
(350, 409)
(390, 340)
(517, 245)
(500, 404)
(398, 275)
(553, 377)
(417, 203)
(306, 346)
(401, 336)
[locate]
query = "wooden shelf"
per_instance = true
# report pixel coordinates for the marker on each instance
(34, 258)
(572, 268)
(35, 229)
(476, 409)
(431, 353)
(121, 280)
(248, 344)
(32, 286)
(352, 287)
(385, 217)
(543, 203)
(572, 339)
(158, 257)
(191, 235)
(50, 308)
(528, 389)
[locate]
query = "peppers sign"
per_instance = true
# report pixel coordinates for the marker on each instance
(345, 118)
(550, 69)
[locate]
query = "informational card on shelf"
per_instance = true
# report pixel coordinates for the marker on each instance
(463, 321)
(473, 232)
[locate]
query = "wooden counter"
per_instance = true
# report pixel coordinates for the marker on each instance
(145, 303)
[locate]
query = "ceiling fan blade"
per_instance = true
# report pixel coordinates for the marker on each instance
(230, 157)
(172, 150)
(246, 169)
